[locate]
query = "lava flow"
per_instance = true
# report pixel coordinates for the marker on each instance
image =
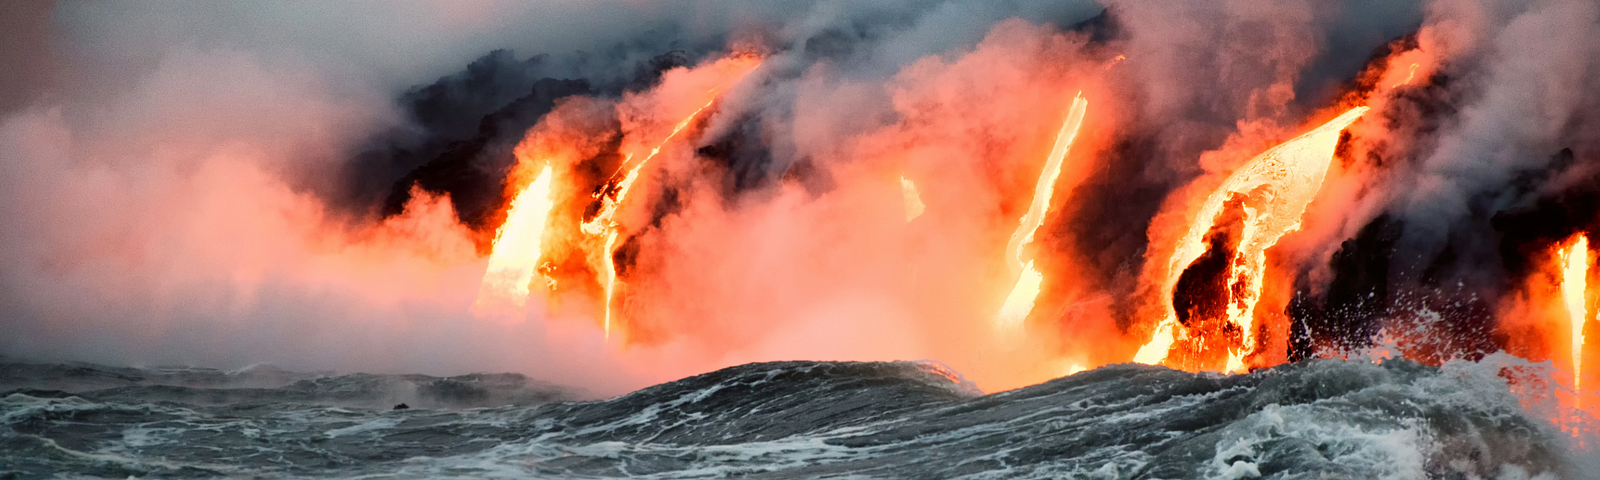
(913, 200)
(1574, 286)
(1021, 299)
(515, 257)
(615, 192)
(1227, 241)
(604, 225)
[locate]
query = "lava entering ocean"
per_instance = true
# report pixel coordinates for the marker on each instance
(1217, 291)
(1574, 293)
(1227, 241)
(603, 224)
(1021, 299)
(1255, 186)
(515, 259)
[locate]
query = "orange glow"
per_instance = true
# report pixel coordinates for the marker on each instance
(1019, 303)
(515, 258)
(1574, 285)
(1272, 192)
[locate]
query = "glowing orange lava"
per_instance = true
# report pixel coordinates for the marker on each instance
(514, 260)
(1019, 303)
(1272, 190)
(617, 190)
(913, 200)
(1574, 286)
(604, 223)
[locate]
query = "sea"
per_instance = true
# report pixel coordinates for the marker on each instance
(1319, 419)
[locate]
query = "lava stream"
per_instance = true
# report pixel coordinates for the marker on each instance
(1275, 187)
(604, 223)
(913, 200)
(616, 191)
(611, 198)
(1020, 301)
(1574, 286)
(515, 256)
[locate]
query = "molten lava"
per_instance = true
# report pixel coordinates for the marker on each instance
(913, 201)
(617, 190)
(611, 197)
(1574, 286)
(1271, 192)
(604, 225)
(1019, 303)
(515, 257)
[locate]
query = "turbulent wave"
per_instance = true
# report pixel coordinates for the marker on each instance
(1315, 419)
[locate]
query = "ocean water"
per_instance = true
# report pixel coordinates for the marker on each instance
(1324, 419)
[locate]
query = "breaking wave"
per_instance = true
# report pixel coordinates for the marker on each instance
(1316, 419)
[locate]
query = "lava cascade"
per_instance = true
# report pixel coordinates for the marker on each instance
(1023, 295)
(602, 224)
(1574, 290)
(1270, 192)
(514, 261)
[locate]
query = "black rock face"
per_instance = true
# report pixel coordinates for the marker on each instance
(473, 171)
(1345, 315)
(1528, 233)
(465, 126)
(451, 109)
